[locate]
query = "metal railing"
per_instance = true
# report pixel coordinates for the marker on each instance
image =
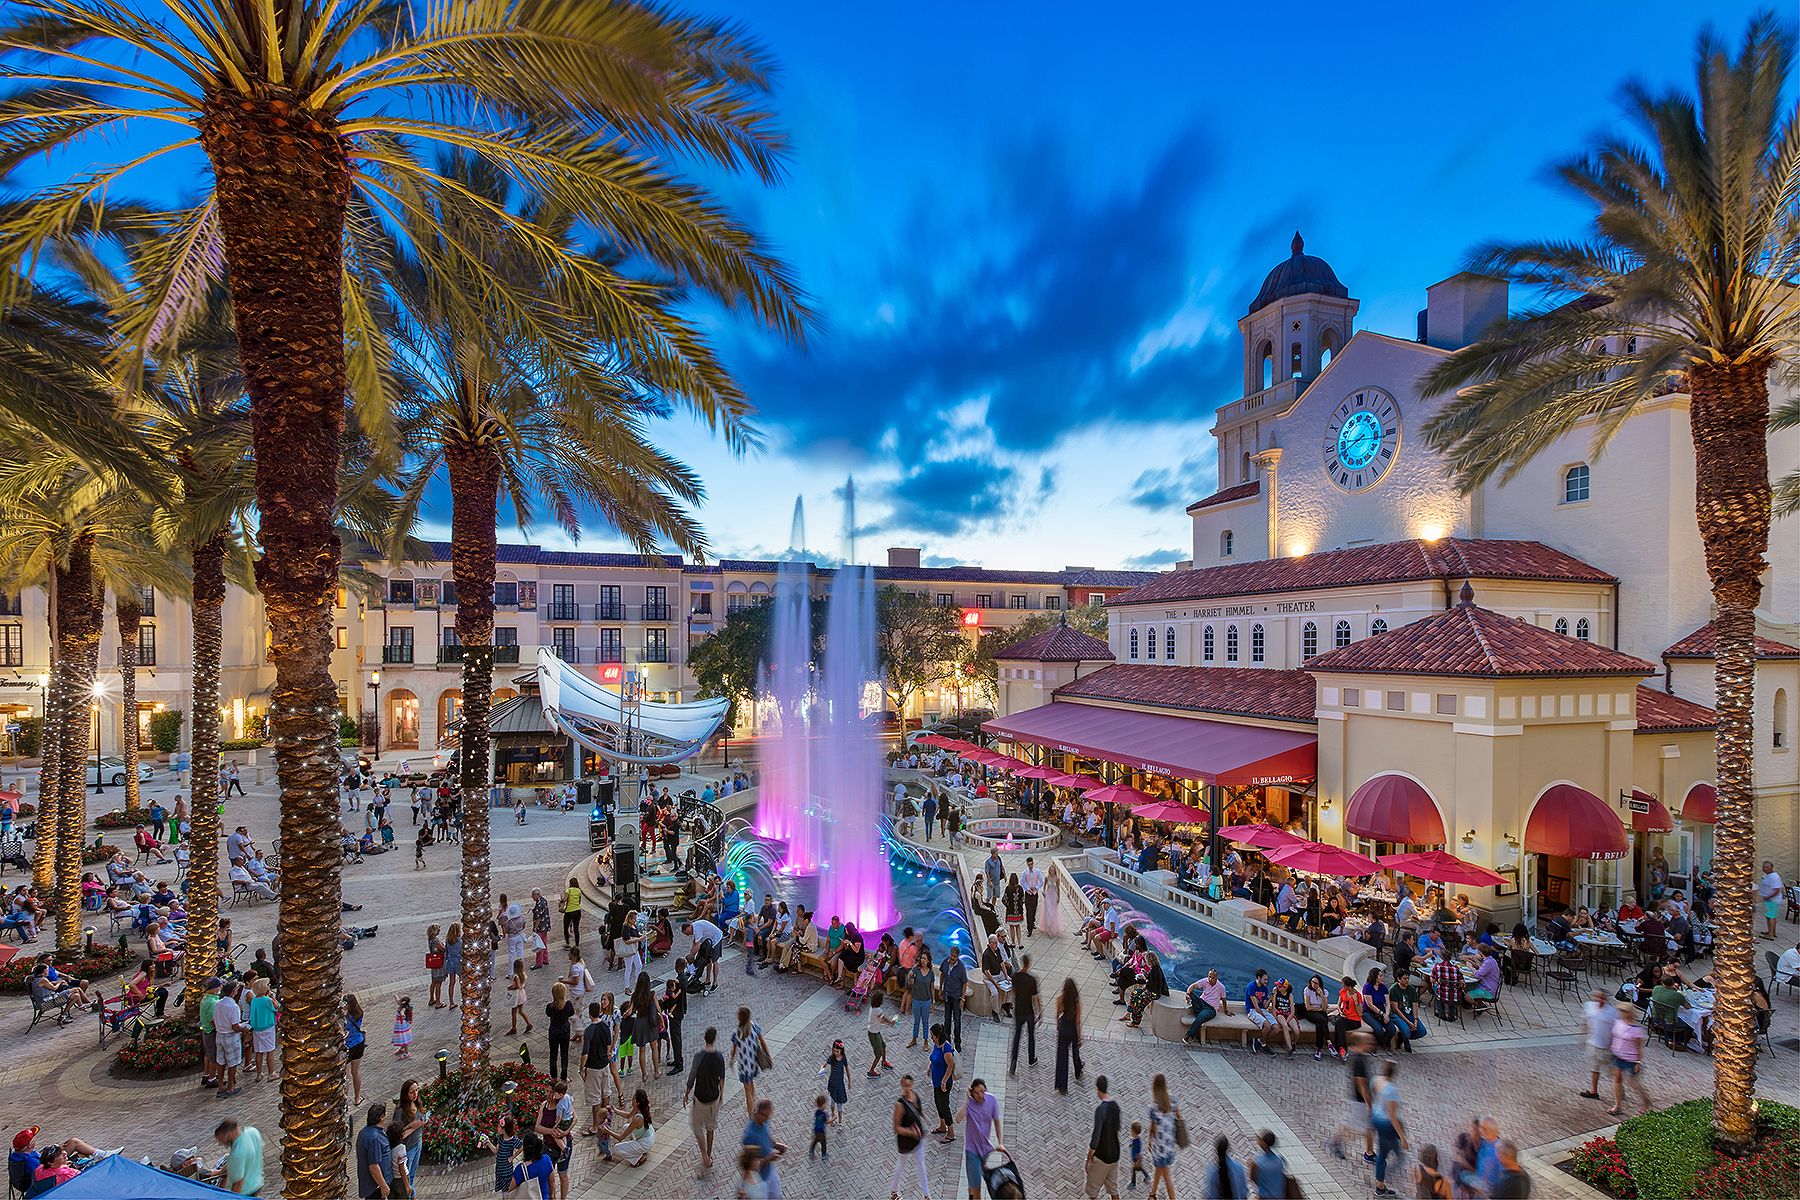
(396, 654)
(506, 654)
(609, 610)
(564, 612)
(450, 653)
(655, 612)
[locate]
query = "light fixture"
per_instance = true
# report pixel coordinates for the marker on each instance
(443, 1060)
(1431, 533)
(99, 689)
(1325, 804)
(1468, 839)
(1512, 841)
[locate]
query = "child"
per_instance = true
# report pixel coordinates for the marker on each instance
(751, 1184)
(504, 1149)
(519, 812)
(837, 1083)
(420, 841)
(627, 1043)
(1137, 1155)
(403, 1028)
(820, 1121)
(516, 993)
(878, 1043)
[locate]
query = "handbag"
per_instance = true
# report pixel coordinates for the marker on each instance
(1181, 1130)
(434, 960)
(764, 1060)
(1293, 1191)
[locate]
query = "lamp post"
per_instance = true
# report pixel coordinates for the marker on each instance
(99, 773)
(375, 682)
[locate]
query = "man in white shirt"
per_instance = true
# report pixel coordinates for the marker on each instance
(1032, 880)
(705, 949)
(1769, 892)
(241, 874)
(1600, 1016)
(259, 870)
(1284, 904)
(1787, 967)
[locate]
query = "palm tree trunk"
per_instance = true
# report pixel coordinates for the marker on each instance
(78, 623)
(282, 179)
(43, 863)
(474, 494)
(202, 958)
(1729, 418)
(128, 611)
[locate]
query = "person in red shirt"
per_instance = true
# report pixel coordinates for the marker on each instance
(54, 1164)
(1630, 911)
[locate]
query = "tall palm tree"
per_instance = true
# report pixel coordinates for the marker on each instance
(1687, 282)
(534, 409)
(297, 106)
(128, 613)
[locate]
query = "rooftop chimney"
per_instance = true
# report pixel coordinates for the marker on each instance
(1461, 309)
(903, 556)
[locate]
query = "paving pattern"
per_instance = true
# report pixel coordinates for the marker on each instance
(1525, 1074)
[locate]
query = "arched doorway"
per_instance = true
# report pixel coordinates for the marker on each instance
(403, 720)
(449, 709)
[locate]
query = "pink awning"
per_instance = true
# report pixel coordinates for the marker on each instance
(1214, 752)
(1393, 808)
(1572, 822)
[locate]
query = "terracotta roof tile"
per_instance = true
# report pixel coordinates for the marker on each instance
(1660, 712)
(1699, 644)
(1477, 642)
(1240, 491)
(1391, 562)
(1058, 644)
(1238, 691)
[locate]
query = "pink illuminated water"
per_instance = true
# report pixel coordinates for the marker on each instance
(846, 766)
(785, 810)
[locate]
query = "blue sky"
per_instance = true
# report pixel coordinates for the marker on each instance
(1031, 229)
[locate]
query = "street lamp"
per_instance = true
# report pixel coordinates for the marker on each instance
(375, 682)
(99, 690)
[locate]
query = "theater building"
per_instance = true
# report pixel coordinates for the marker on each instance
(1521, 675)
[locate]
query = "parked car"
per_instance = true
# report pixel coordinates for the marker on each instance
(888, 721)
(113, 771)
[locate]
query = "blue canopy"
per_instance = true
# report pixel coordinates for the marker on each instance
(117, 1176)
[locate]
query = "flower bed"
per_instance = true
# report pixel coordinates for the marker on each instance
(172, 1048)
(118, 818)
(92, 853)
(1669, 1154)
(103, 963)
(457, 1131)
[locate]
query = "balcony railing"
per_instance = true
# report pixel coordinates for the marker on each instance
(609, 610)
(610, 654)
(146, 657)
(506, 654)
(569, 652)
(396, 654)
(565, 612)
(656, 612)
(450, 654)
(656, 654)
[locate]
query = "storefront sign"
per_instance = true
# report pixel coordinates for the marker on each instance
(1273, 780)
(1296, 606)
(1638, 805)
(1228, 610)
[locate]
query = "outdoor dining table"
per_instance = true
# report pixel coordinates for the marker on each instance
(1597, 938)
(1427, 962)
(1698, 1011)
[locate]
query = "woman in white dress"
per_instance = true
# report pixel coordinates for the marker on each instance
(1051, 923)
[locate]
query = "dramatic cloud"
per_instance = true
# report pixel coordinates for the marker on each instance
(1156, 559)
(950, 496)
(1164, 488)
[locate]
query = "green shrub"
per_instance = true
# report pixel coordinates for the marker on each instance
(249, 743)
(29, 737)
(346, 729)
(165, 730)
(1669, 1149)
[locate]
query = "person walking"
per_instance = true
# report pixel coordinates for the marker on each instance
(1225, 1177)
(931, 806)
(757, 1137)
(1032, 880)
(705, 1086)
(1068, 1034)
(1390, 1131)
(1356, 1117)
(1103, 1145)
(1600, 1015)
(952, 986)
(1627, 1053)
(596, 1056)
(909, 1139)
(1164, 1120)
(982, 1134)
(919, 987)
(943, 1077)
(571, 910)
(1028, 1010)
(1268, 1170)
(749, 1055)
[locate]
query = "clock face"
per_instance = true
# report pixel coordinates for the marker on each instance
(1361, 439)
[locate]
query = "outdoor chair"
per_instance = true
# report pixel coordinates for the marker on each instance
(1662, 1021)
(1563, 973)
(1521, 964)
(241, 891)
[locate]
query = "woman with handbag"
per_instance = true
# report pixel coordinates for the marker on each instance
(1168, 1133)
(750, 1055)
(909, 1138)
(434, 962)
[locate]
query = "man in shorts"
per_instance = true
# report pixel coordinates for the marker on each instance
(1600, 1015)
(209, 1051)
(704, 953)
(596, 1057)
(1256, 1007)
(706, 1082)
(229, 1027)
(1769, 892)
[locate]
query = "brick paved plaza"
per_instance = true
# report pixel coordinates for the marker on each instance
(1526, 1073)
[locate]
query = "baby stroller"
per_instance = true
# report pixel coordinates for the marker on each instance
(1002, 1176)
(867, 980)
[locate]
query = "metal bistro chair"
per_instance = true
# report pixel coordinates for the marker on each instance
(1662, 1021)
(1564, 973)
(1521, 963)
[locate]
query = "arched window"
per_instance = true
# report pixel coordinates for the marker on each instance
(1134, 643)
(1245, 468)
(1377, 627)
(1309, 640)
(1575, 484)
(1169, 644)
(1780, 723)
(1294, 369)
(1150, 647)
(1327, 348)
(1256, 643)
(1225, 544)
(1340, 636)
(1581, 629)
(1562, 627)
(1267, 355)
(1231, 643)
(1206, 644)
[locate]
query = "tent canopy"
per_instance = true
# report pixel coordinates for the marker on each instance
(117, 1176)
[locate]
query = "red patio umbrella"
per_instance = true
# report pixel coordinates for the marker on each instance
(1440, 867)
(1317, 858)
(1037, 773)
(1169, 810)
(10, 796)
(1263, 837)
(1071, 780)
(986, 758)
(1120, 793)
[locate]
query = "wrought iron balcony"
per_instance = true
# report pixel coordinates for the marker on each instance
(396, 654)
(656, 612)
(609, 610)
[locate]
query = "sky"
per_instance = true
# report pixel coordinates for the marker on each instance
(1030, 230)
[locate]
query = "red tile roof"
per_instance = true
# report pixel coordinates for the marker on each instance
(1660, 712)
(1058, 644)
(1391, 562)
(1238, 691)
(1699, 644)
(1241, 491)
(1470, 641)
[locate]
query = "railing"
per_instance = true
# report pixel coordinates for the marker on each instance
(656, 655)
(569, 652)
(609, 610)
(146, 657)
(396, 654)
(564, 612)
(450, 654)
(506, 654)
(655, 612)
(610, 654)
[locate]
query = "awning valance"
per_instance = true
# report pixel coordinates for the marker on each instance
(1215, 752)
(1393, 808)
(1701, 805)
(1655, 818)
(1572, 822)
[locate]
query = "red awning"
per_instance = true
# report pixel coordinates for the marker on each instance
(1214, 752)
(1701, 805)
(1571, 822)
(1657, 820)
(1393, 808)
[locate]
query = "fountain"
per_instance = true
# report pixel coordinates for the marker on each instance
(786, 812)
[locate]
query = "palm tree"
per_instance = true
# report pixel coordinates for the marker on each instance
(128, 612)
(1686, 283)
(296, 107)
(534, 409)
